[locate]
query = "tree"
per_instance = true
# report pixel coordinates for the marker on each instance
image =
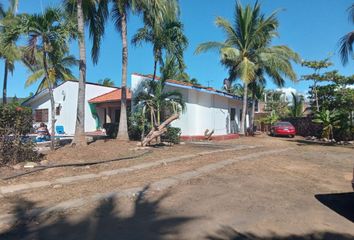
(106, 82)
(297, 105)
(247, 49)
(59, 68)
(329, 120)
(120, 12)
(9, 53)
(166, 35)
(315, 77)
(94, 13)
(346, 42)
(157, 101)
(48, 34)
(257, 91)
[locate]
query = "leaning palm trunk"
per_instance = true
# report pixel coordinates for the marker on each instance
(316, 96)
(244, 110)
(51, 95)
(80, 138)
(4, 90)
(123, 125)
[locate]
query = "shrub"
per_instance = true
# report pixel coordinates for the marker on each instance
(172, 135)
(15, 124)
(111, 129)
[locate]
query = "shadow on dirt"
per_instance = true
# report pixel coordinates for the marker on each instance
(228, 233)
(341, 203)
(104, 222)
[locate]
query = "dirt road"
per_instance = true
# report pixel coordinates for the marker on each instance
(301, 193)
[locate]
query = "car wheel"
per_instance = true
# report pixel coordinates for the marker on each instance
(292, 136)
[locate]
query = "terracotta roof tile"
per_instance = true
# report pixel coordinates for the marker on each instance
(112, 96)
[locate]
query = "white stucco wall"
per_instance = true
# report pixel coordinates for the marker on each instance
(204, 110)
(66, 95)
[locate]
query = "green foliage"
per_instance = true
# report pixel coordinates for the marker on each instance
(106, 82)
(297, 107)
(330, 121)
(271, 118)
(138, 124)
(277, 103)
(347, 41)
(15, 124)
(173, 135)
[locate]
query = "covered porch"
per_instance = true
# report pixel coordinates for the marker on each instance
(106, 108)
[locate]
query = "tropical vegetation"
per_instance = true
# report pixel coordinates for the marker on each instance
(247, 50)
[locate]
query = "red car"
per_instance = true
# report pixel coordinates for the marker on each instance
(283, 129)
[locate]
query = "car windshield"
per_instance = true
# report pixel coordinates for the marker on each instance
(283, 124)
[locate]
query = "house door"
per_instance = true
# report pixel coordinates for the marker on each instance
(117, 116)
(233, 124)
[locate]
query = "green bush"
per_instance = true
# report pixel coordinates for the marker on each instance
(172, 135)
(15, 124)
(111, 129)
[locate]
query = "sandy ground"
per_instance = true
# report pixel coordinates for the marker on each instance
(304, 193)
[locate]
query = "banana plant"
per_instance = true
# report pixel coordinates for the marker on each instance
(330, 121)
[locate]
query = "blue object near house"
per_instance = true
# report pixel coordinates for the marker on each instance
(59, 129)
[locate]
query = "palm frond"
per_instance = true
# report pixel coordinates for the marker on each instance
(346, 47)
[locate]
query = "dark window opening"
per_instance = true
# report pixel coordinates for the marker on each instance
(41, 115)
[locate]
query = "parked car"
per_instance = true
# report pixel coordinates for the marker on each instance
(283, 129)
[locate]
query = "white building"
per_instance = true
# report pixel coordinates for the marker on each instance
(65, 97)
(206, 108)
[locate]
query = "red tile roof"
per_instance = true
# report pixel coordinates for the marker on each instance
(112, 96)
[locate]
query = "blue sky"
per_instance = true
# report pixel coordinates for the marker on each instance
(310, 27)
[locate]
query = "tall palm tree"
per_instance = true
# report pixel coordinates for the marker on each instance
(94, 13)
(297, 105)
(120, 12)
(247, 49)
(346, 42)
(48, 33)
(11, 53)
(165, 36)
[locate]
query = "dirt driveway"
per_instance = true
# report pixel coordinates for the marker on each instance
(271, 188)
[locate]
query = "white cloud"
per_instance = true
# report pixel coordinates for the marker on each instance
(287, 91)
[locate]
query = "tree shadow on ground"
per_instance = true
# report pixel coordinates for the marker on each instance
(341, 203)
(228, 233)
(104, 222)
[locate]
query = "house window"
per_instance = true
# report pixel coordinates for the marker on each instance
(256, 109)
(240, 115)
(57, 110)
(41, 115)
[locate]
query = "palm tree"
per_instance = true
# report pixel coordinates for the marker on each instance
(246, 49)
(297, 106)
(157, 101)
(346, 42)
(106, 82)
(120, 12)
(164, 36)
(48, 33)
(94, 13)
(59, 68)
(257, 92)
(11, 53)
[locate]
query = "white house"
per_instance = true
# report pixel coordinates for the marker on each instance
(206, 108)
(65, 97)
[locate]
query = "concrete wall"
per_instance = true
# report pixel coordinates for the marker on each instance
(204, 110)
(66, 95)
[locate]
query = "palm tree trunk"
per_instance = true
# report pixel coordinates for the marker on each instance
(4, 89)
(51, 96)
(79, 138)
(123, 124)
(155, 67)
(244, 110)
(253, 111)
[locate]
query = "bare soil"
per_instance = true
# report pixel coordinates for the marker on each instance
(304, 193)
